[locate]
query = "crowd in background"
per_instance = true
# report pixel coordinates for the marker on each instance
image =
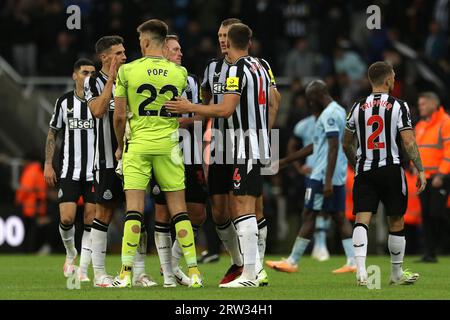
(302, 39)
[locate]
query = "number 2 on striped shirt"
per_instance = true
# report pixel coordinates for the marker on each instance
(371, 144)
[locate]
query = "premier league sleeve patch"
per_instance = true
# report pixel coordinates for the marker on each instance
(232, 84)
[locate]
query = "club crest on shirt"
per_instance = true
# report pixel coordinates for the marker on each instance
(111, 105)
(331, 121)
(107, 195)
(60, 193)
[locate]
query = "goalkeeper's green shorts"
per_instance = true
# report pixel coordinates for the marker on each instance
(168, 170)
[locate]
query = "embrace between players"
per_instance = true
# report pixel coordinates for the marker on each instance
(138, 113)
(136, 134)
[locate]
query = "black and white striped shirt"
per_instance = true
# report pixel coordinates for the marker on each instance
(214, 81)
(378, 120)
(248, 125)
(72, 114)
(193, 149)
(105, 142)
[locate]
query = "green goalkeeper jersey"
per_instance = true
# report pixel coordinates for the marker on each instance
(148, 83)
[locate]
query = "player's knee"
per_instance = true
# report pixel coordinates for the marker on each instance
(162, 214)
(67, 221)
(198, 219)
(396, 224)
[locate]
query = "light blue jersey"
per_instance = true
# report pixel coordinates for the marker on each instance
(330, 123)
(304, 130)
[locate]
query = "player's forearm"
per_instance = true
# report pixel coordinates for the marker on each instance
(274, 105)
(119, 130)
(300, 154)
(413, 153)
(212, 111)
(50, 146)
(331, 160)
(350, 153)
(99, 106)
(206, 97)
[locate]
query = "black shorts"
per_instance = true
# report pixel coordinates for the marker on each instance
(195, 191)
(108, 186)
(386, 184)
(219, 178)
(71, 190)
(246, 179)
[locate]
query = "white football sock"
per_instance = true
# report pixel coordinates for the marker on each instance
(247, 228)
(85, 256)
(262, 236)
(141, 254)
(298, 249)
(67, 233)
(99, 239)
(359, 240)
(163, 242)
(396, 245)
(228, 234)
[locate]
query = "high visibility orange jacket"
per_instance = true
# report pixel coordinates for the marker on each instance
(32, 193)
(433, 140)
(413, 214)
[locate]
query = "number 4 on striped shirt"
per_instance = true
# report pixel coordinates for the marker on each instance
(262, 93)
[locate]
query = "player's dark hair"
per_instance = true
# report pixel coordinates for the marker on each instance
(172, 37)
(430, 95)
(106, 42)
(239, 35)
(378, 71)
(157, 28)
(230, 21)
(82, 62)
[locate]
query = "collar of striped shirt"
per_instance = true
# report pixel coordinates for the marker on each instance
(78, 97)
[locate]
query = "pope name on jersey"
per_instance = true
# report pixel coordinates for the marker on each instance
(147, 83)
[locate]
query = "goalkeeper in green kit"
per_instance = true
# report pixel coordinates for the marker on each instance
(151, 145)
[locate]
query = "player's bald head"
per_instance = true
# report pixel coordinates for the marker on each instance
(317, 87)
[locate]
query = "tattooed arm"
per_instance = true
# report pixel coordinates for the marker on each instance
(350, 148)
(409, 142)
(49, 172)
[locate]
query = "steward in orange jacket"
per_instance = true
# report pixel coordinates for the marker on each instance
(32, 193)
(433, 140)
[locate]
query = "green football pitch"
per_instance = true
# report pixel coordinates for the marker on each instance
(40, 277)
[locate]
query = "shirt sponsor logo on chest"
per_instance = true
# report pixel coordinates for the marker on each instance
(218, 88)
(75, 123)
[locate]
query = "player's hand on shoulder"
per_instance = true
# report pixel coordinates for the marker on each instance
(179, 105)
